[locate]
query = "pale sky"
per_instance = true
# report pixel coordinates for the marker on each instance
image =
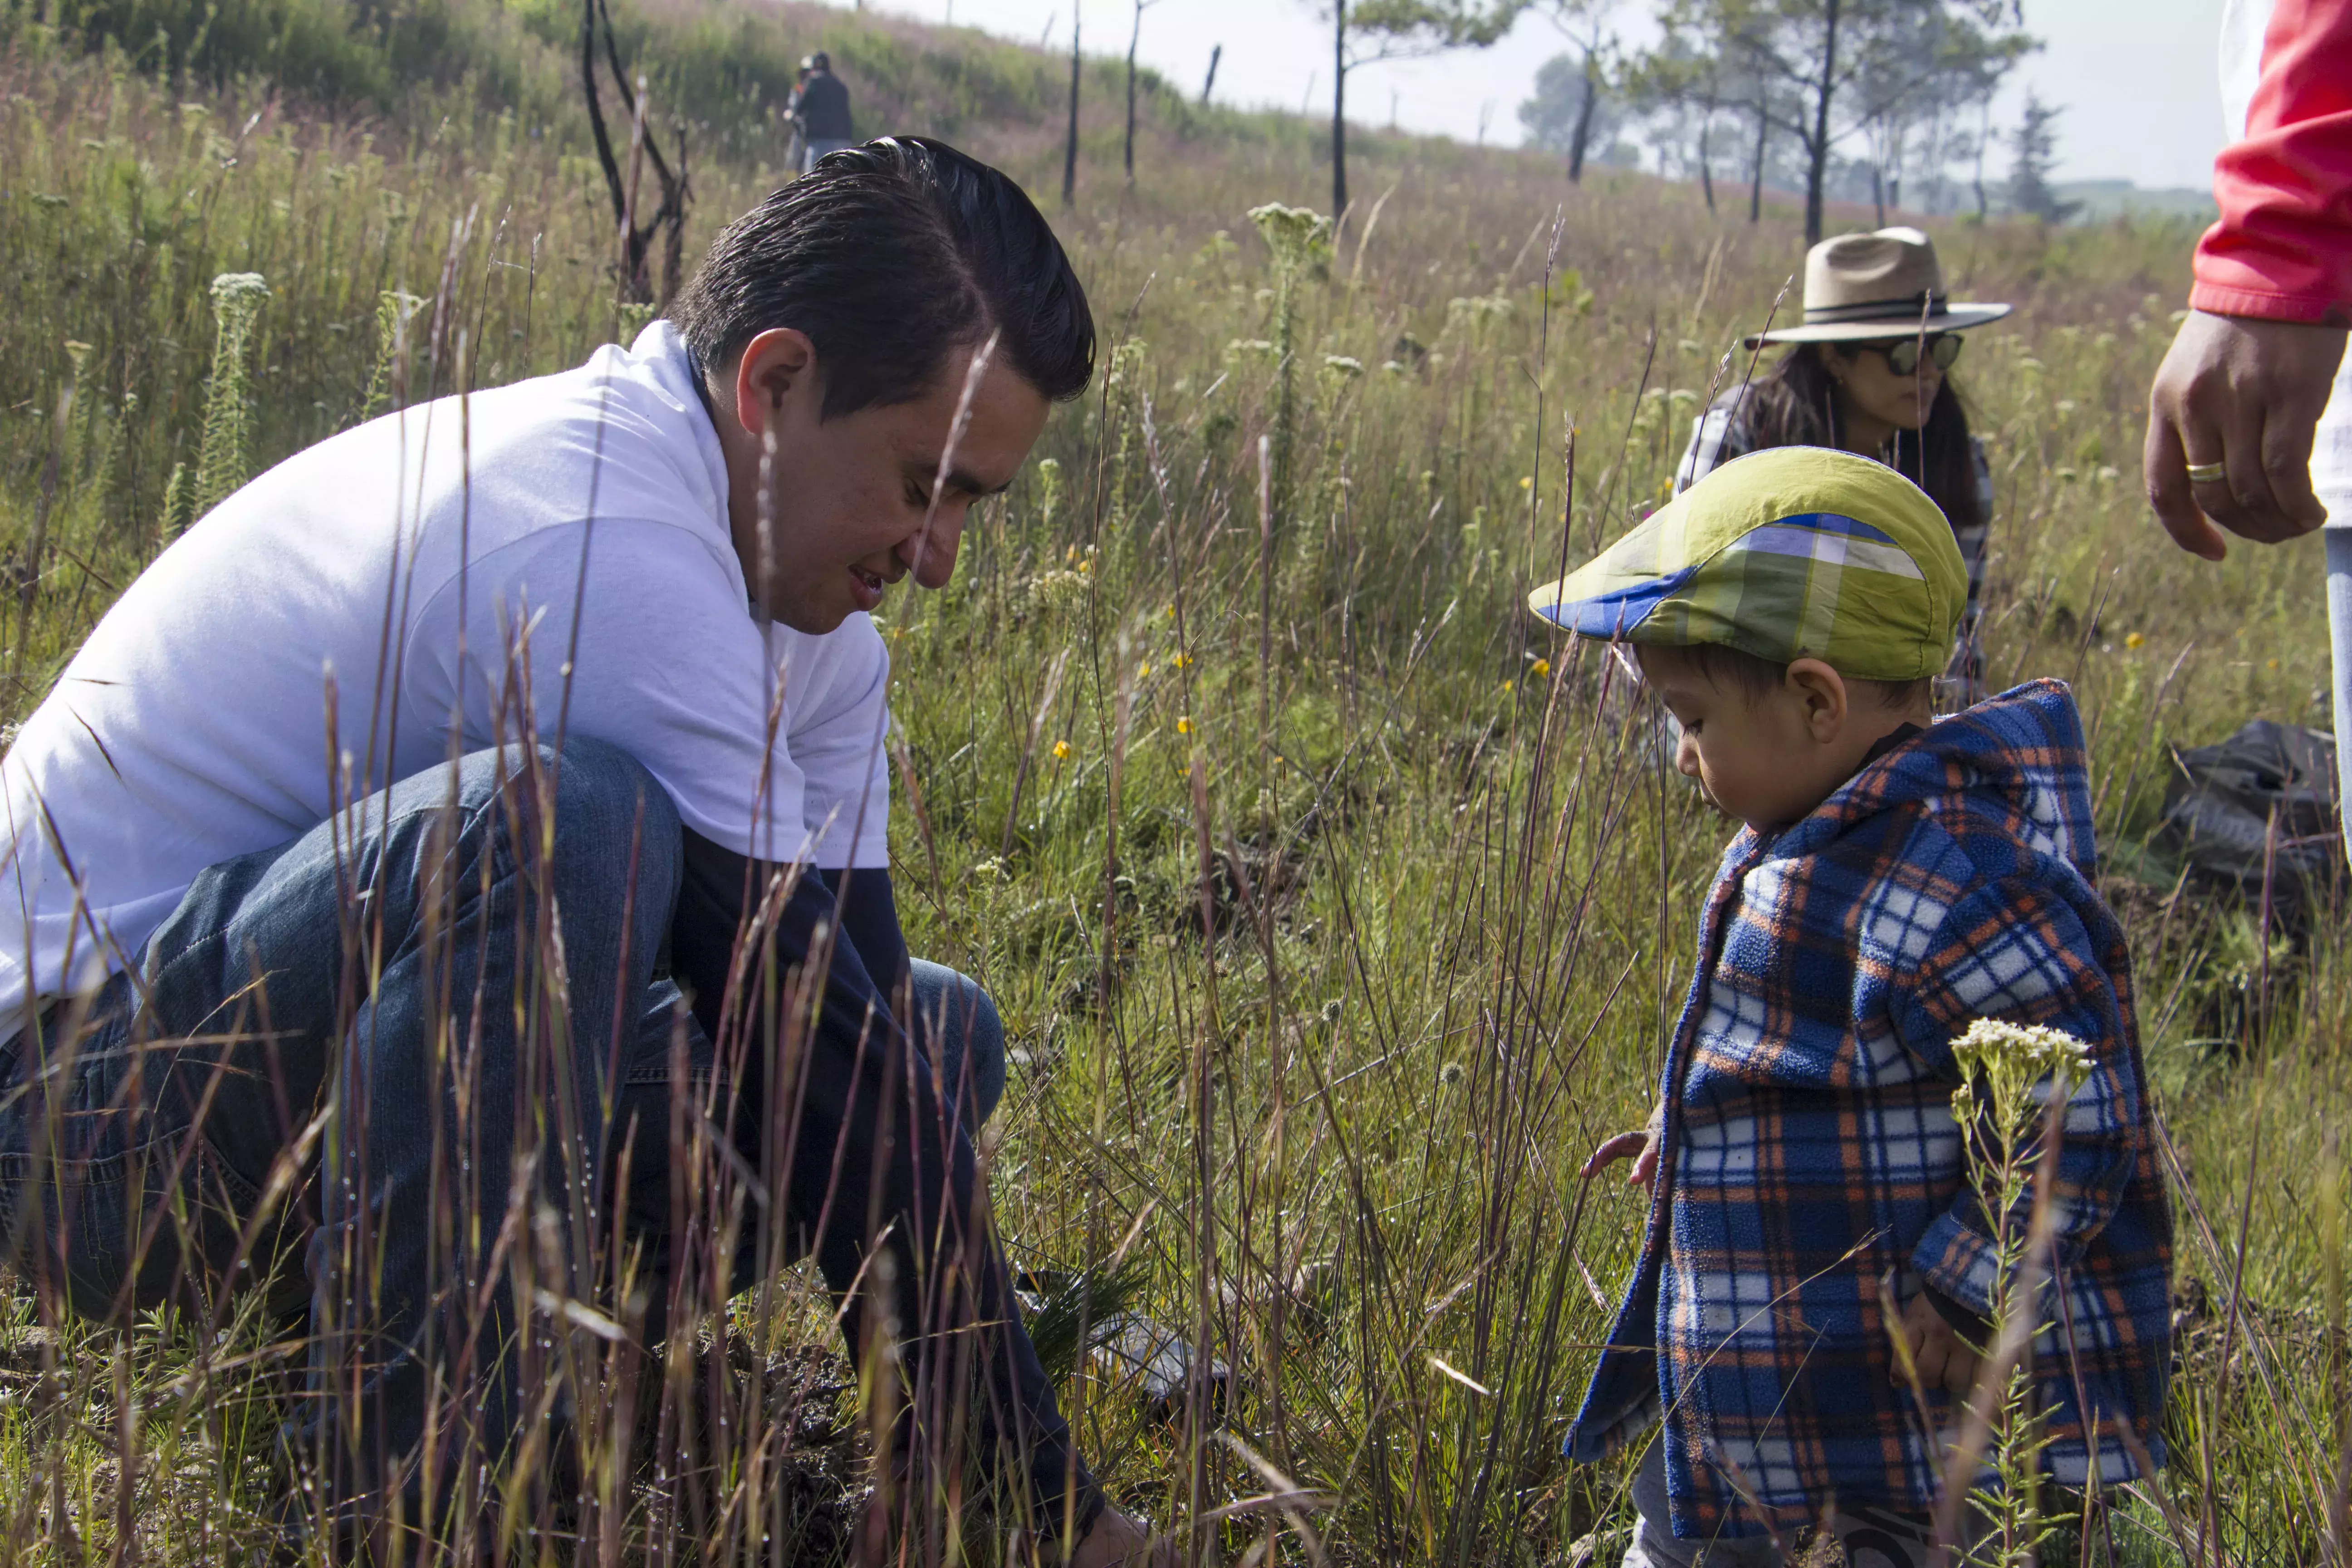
(2136, 78)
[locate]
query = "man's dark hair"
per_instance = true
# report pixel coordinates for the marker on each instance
(891, 257)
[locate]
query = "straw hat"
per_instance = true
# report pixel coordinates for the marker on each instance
(1865, 287)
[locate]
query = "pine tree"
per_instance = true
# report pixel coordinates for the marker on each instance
(1573, 111)
(2035, 142)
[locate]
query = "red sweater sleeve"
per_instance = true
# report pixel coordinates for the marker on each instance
(2283, 247)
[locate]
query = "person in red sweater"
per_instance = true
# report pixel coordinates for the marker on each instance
(2250, 419)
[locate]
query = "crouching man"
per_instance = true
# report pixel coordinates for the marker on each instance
(483, 811)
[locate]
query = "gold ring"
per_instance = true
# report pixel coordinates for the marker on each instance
(2208, 473)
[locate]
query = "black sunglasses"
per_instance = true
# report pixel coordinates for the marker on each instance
(1902, 356)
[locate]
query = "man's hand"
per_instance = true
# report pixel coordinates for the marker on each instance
(1641, 1147)
(1121, 1541)
(1942, 1358)
(2245, 393)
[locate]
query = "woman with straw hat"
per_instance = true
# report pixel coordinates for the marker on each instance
(1866, 371)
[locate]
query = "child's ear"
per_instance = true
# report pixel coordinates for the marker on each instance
(1822, 695)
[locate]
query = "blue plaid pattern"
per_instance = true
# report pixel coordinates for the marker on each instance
(1809, 1148)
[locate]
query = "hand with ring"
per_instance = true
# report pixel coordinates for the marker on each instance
(2229, 427)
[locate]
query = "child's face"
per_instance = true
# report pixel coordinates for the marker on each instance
(1767, 758)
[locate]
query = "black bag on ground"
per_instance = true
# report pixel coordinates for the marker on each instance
(2218, 809)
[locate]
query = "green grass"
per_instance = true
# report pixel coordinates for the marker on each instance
(1451, 895)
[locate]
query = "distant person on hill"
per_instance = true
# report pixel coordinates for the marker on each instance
(400, 829)
(1894, 880)
(820, 111)
(2250, 419)
(1868, 372)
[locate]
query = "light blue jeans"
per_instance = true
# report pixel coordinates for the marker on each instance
(134, 1149)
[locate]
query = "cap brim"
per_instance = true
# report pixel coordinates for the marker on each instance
(1952, 319)
(1612, 594)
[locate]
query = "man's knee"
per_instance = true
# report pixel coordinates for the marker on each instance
(959, 1024)
(615, 823)
(599, 784)
(614, 856)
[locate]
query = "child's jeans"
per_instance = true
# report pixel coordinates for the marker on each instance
(1873, 1537)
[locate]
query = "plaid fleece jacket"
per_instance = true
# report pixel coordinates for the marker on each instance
(1810, 1149)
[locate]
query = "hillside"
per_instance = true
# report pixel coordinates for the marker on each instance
(726, 68)
(2097, 199)
(451, 108)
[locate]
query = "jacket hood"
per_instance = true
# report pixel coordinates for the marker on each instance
(2020, 756)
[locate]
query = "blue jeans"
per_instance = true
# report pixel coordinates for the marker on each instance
(370, 1023)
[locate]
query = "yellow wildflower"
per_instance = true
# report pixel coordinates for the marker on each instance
(1183, 723)
(1182, 660)
(1061, 751)
(1527, 481)
(2133, 640)
(1540, 668)
(1510, 686)
(1142, 672)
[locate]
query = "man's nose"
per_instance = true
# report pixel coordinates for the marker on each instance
(930, 554)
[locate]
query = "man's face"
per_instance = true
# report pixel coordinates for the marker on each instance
(849, 497)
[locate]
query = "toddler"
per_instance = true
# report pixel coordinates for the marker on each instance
(1897, 878)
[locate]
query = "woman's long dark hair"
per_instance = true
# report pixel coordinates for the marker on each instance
(1795, 404)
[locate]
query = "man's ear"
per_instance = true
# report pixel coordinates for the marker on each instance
(777, 367)
(1821, 693)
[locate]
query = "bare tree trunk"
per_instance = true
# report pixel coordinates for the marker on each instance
(1583, 133)
(1216, 53)
(1878, 193)
(1817, 152)
(1133, 38)
(1756, 175)
(1706, 172)
(1070, 148)
(1984, 134)
(1339, 111)
(635, 239)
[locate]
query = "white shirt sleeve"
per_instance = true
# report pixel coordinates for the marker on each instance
(670, 667)
(839, 687)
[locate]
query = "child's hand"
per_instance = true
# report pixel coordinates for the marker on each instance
(1943, 1358)
(1642, 1147)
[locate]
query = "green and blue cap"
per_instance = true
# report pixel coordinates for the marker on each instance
(1791, 553)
